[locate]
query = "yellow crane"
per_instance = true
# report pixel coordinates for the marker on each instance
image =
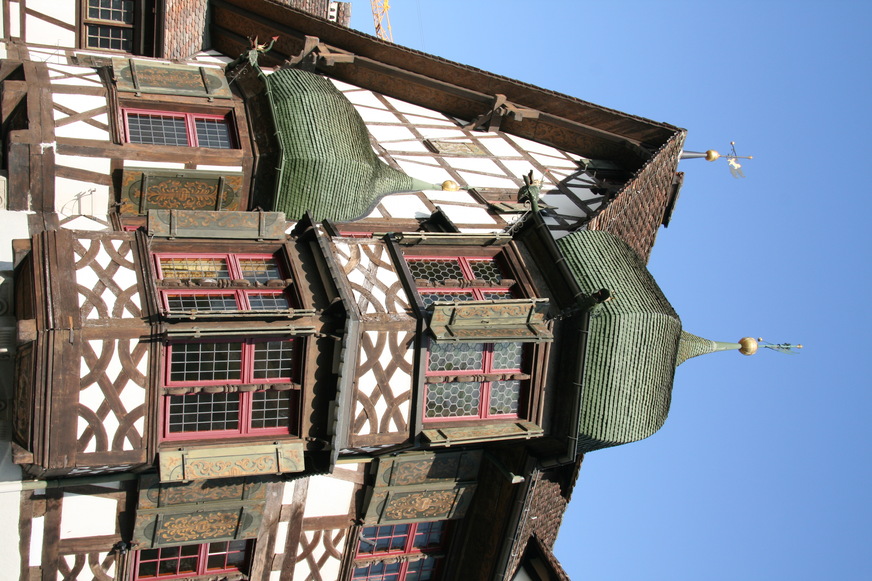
(381, 19)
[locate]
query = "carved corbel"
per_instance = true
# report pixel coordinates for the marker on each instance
(317, 54)
(500, 108)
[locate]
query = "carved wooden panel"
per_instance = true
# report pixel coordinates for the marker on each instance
(146, 189)
(228, 461)
(371, 274)
(112, 395)
(422, 486)
(106, 278)
(384, 388)
(22, 422)
(204, 224)
(198, 511)
(140, 76)
(499, 320)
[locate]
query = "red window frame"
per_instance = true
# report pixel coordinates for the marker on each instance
(234, 264)
(476, 293)
(190, 119)
(247, 375)
(485, 389)
(401, 540)
(163, 557)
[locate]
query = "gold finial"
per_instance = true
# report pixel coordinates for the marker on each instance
(712, 155)
(450, 186)
(748, 346)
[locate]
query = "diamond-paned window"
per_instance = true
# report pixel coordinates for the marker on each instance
(178, 128)
(460, 278)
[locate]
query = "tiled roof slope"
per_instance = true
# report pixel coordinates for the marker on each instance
(637, 210)
(632, 343)
(548, 498)
(184, 25)
(327, 165)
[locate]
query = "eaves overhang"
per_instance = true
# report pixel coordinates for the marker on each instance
(426, 80)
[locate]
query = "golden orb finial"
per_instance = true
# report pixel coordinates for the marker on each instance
(450, 186)
(749, 345)
(712, 155)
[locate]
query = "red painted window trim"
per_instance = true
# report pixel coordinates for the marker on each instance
(239, 295)
(245, 398)
(190, 124)
(364, 559)
(232, 260)
(484, 399)
(246, 361)
(202, 563)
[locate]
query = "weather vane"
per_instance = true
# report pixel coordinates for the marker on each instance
(780, 347)
(732, 158)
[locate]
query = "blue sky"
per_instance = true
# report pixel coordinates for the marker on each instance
(762, 470)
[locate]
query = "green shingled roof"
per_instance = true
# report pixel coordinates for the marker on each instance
(632, 343)
(327, 164)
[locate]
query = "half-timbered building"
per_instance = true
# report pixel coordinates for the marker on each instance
(310, 307)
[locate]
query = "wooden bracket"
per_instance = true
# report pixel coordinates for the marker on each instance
(315, 53)
(500, 108)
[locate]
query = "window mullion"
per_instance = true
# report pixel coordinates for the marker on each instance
(245, 408)
(247, 361)
(202, 558)
(410, 540)
(191, 127)
(242, 300)
(466, 267)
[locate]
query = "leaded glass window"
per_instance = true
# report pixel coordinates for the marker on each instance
(254, 407)
(493, 390)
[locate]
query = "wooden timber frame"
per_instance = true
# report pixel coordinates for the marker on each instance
(65, 347)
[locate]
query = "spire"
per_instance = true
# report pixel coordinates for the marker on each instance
(691, 345)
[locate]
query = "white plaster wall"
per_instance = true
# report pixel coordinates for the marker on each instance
(328, 496)
(87, 516)
(37, 526)
(14, 19)
(42, 32)
(74, 197)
